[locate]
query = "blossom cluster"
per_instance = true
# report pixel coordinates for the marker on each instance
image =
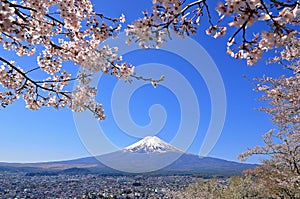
(280, 20)
(60, 31)
(65, 30)
(282, 169)
(153, 29)
(281, 35)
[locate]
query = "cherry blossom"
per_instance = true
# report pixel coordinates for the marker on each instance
(29, 24)
(70, 31)
(282, 143)
(280, 20)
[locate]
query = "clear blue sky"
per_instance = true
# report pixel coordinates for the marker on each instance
(48, 134)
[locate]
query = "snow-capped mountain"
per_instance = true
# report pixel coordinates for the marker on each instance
(151, 144)
(150, 154)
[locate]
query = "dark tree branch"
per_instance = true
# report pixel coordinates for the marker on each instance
(30, 80)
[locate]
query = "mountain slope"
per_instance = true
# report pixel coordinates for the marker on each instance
(150, 154)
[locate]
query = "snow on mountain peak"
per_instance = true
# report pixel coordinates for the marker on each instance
(151, 144)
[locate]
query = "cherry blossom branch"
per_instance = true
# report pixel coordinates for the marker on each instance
(191, 5)
(198, 2)
(34, 10)
(208, 13)
(276, 2)
(31, 70)
(107, 18)
(64, 80)
(243, 27)
(268, 12)
(154, 82)
(30, 80)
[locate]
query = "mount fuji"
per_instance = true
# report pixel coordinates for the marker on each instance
(150, 155)
(147, 155)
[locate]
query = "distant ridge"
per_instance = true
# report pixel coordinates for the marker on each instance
(150, 155)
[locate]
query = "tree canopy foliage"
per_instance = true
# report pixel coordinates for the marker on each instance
(71, 30)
